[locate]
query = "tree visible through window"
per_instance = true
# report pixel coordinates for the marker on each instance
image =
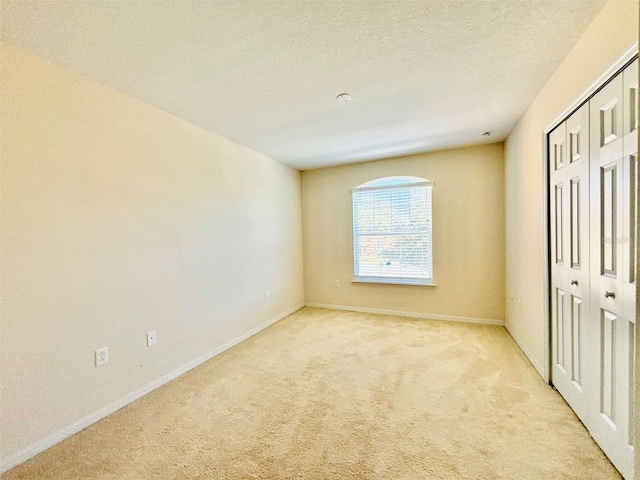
(392, 231)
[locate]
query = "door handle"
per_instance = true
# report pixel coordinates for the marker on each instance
(574, 282)
(608, 294)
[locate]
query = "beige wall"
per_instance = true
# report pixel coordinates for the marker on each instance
(117, 219)
(612, 33)
(468, 235)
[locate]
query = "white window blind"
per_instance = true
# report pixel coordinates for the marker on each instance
(392, 231)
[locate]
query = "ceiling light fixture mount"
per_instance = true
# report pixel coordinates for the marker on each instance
(343, 97)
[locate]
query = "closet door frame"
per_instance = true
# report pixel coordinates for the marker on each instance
(628, 57)
(624, 60)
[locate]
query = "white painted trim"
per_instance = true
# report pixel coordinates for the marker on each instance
(625, 58)
(92, 418)
(409, 282)
(546, 284)
(527, 353)
(431, 316)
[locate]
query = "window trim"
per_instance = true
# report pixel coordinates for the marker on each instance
(411, 282)
(375, 185)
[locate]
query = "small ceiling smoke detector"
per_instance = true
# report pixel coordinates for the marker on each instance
(343, 97)
(487, 133)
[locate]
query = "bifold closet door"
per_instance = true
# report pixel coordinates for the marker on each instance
(569, 174)
(630, 234)
(612, 295)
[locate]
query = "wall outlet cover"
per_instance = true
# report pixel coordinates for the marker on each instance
(102, 356)
(152, 339)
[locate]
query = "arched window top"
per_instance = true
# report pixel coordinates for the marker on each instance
(394, 181)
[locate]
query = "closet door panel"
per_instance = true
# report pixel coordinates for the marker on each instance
(578, 265)
(612, 184)
(569, 167)
(630, 227)
(630, 194)
(560, 252)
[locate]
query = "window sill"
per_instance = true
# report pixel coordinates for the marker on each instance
(394, 281)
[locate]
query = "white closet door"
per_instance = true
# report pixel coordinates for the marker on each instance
(569, 167)
(611, 340)
(559, 304)
(630, 229)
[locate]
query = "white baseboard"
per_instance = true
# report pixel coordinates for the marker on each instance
(527, 353)
(92, 418)
(432, 316)
(489, 321)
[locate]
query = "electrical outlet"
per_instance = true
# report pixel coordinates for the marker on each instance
(151, 338)
(102, 356)
(338, 283)
(267, 295)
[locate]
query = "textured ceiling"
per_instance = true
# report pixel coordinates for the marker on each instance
(424, 75)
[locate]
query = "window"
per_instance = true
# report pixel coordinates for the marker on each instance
(392, 231)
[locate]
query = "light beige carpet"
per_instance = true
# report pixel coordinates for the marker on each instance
(339, 395)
